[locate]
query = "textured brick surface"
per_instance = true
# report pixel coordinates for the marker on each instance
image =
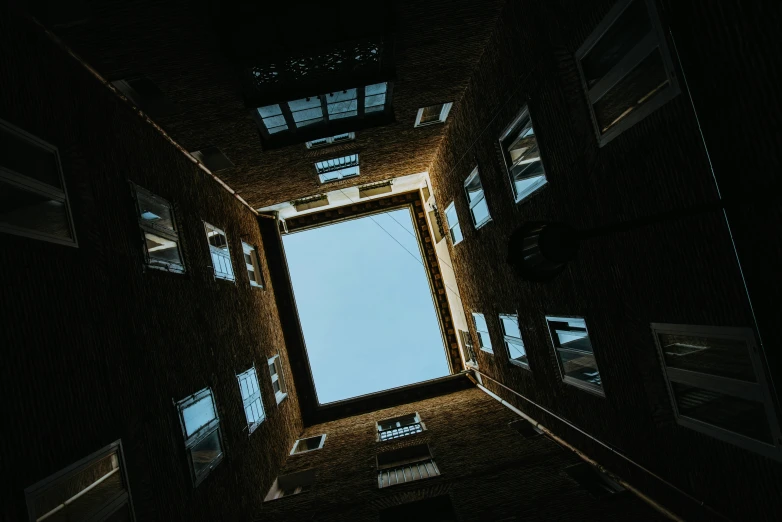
(437, 44)
(94, 348)
(488, 469)
(677, 272)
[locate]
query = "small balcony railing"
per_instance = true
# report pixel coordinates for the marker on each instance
(402, 431)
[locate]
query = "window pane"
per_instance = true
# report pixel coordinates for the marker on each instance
(216, 238)
(161, 250)
(517, 352)
(23, 157)
(571, 333)
(273, 368)
(715, 356)
(341, 96)
(474, 189)
(377, 88)
(34, 212)
(198, 415)
(480, 213)
(275, 121)
(269, 111)
(629, 29)
(635, 89)
(154, 212)
(450, 215)
(206, 452)
(375, 101)
(276, 386)
(304, 104)
(456, 234)
(579, 366)
(728, 412)
(483, 338)
(431, 114)
(510, 324)
(480, 323)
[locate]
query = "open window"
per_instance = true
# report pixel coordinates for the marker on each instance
(405, 465)
(95, 488)
(159, 232)
(398, 427)
(626, 68)
(253, 265)
(574, 352)
(201, 431)
(452, 220)
(251, 399)
(522, 157)
(482, 329)
(278, 381)
(469, 351)
(432, 114)
(517, 354)
(718, 386)
(337, 168)
(308, 444)
(476, 198)
(221, 255)
(33, 199)
(291, 484)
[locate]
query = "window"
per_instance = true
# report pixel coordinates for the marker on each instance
(483, 332)
(95, 488)
(432, 114)
(213, 159)
(251, 399)
(278, 381)
(522, 157)
(573, 348)
(479, 209)
(516, 351)
(717, 384)
(221, 256)
(375, 189)
(333, 140)
(253, 265)
(469, 352)
(405, 465)
(33, 199)
(453, 224)
(434, 509)
(291, 484)
(625, 68)
(337, 168)
(321, 200)
(308, 444)
(146, 96)
(322, 109)
(201, 430)
(597, 483)
(158, 228)
(398, 427)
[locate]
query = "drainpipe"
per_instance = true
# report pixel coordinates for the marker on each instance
(586, 458)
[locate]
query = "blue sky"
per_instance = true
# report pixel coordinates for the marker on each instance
(365, 306)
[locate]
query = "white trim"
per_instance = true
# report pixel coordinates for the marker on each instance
(578, 383)
(444, 111)
(278, 377)
(658, 99)
(320, 446)
(26, 183)
(507, 134)
(216, 253)
(475, 174)
(452, 205)
(754, 392)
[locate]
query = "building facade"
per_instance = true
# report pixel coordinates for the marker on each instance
(155, 366)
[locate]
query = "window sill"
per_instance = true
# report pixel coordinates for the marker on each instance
(519, 364)
(479, 226)
(281, 397)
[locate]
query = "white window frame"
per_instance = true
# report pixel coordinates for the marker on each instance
(253, 396)
(523, 115)
(450, 206)
(217, 254)
(475, 174)
(109, 508)
(483, 347)
(171, 234)
(655, 39)
(331, 140)
(254, 270)
(578, 383)
(200, 434)
(320, 445)
(401, 430)
(758, 391)
(470, 358)
(510, 339)
(28, 184)
(278, 378)
(444, 111)
(322, 169)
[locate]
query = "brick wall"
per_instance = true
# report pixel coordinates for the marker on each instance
(682, 271)
(489, 471)
(96, 349)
